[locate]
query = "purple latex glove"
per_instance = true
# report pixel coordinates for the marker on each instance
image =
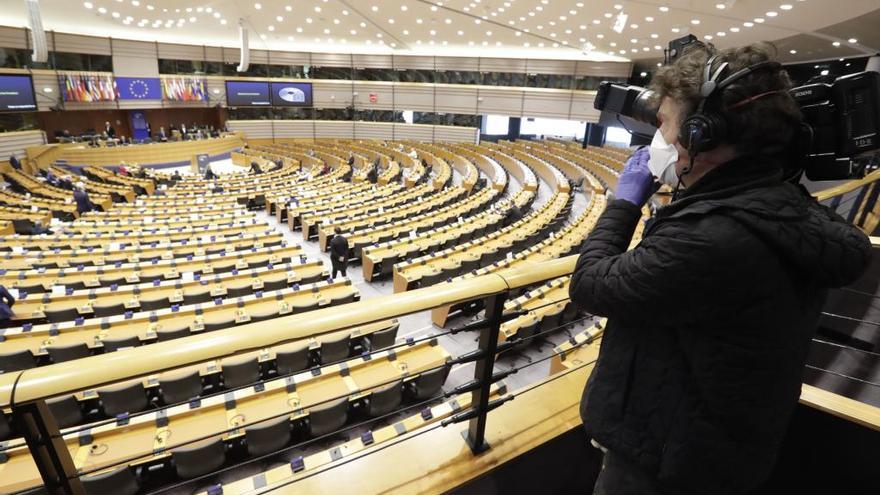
(636, 184)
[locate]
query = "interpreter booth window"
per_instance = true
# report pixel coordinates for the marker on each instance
(558, 128)
(495, 125)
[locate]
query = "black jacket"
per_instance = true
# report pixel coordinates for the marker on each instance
(338, 247)
(709, 322)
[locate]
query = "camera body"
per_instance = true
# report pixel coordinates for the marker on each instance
(839, 137)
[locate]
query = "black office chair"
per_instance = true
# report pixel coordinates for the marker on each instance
(290, 358)
(232, 292)
(328, 417)
(200, 298)
(129, 398)
(385, 399)
(120, 481)
(174, 333)
(66, 410)
(61, 315)
(5, 427)
(112, 345)
(198, 458)
(218, 325)
(266, 313)
(267, 437)
(61, 353)
(382, 338)
(16, 361)
(238, 372)
(270, 285)
(177, 387)
(386, 268)
(109, 310)
(335, 350)
(428, 383)
(154, 304)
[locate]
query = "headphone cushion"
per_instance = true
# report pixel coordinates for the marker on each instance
(702, 132)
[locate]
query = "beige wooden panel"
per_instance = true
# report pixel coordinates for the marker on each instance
(373, 130)
(604, 69)
(294, 129)
(517, 65)
(334, 129)
(384, 92)
(214, 53)
(455, 134)
(14, 143)
(553, 103)
(331, 59)
(75, 43)
(331, 94)
(371, 61)
(458, 63)
(413, 62)
(456, 98)
(582, 106)
(290, 58)
(501, 101)
(135, 58)
(414, 96)
(418, 132)
(259, 56)
(564, 67)
(182, 52)
(216, 91)
(251, 128)
(13, 37)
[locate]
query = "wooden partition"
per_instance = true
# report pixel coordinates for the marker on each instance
(146, 154)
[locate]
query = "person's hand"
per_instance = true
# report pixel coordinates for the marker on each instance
(636, 184)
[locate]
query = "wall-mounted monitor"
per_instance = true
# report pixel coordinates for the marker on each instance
(290, 94)
(17, 93)
(247, 94)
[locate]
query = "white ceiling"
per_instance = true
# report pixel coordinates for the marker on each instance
(506, 28)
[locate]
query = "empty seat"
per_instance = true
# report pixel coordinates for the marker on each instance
(267, 437)
(61, 315)
(198, 458)
(290, 358)
(232, 292)
(129, 398)
(179, 386)
(199, 298)
(61, 353)
(171, 334)
(328, 417)
(154, 304)
(279, 284)
(335, 350)
(382, 338)
(385, 399)
(427, 384)
(120, 481)
(112, 345)
(108, 310)
(218, 325)
(66, 410)
(240, 371)
(15, 361)
(5, 427)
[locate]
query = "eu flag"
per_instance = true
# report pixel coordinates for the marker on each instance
(138, 88)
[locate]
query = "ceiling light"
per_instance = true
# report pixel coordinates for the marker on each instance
(150, 7)
(644, 74)
(620, 22)
(836, 43)
(418, 21)
(634, 26)
(518, 33)
(676, 30)
(192, 19)
(721, 33)
(748, 24)
(374, 8)
(102, 10)
(216, 15)
(596, 21)
(309, 20)
(390, 21)
(258, 6)
(135, 3)
(363, 24)
(785, 6)
(659, 64)
(290, 9)
(279, 18)
(354, 32)
(271, 28)
(720, 6)
(853, 40)
(404, 8)
(824, 72)
(664, 8)
(88, 5)
(655, 35)
(772, 14)
(793, 52)
(317, 8)
(299, 29)
(115, 15)
(649, 19)
(759, 20)
(695, 22)
(707, 37)
(290, 38)
(406, 32)
(600, 36)
(449, 21)
(734, 29)
(223, 21)
(460, 32)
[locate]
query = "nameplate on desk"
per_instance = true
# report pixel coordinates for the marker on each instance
(62, 264)
(176, 296)
(132, 279)
(284, 308)
(87, 310)
(199, 252)
(132, 303)
(218, 290)
(134, 259)
(172, 274)
(198, 324)
(167, 256)
(257, 284)
(241, 316)
(258, 245)
(241, 265)
(208, 269)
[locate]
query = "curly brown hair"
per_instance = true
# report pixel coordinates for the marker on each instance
(767, 124)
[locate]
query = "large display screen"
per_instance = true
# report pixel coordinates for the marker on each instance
(291, 94)
(17, 93)
(247, 94)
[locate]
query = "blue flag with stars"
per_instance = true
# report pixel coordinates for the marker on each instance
(138, 88)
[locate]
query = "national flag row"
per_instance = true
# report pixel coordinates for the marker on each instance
(87, 88)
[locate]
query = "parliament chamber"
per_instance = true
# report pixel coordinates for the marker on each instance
(327, 273)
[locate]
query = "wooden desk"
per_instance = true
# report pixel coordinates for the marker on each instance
(59, 208)
(145, 324)
(169, 223)
(141, 437)
(125, 180)
(94, 276)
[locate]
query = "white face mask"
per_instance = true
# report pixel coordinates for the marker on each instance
(662, 160)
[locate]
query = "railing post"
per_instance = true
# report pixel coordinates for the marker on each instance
(40, 430)
(488, 343)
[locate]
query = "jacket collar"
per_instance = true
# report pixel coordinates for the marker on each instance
(734, 177)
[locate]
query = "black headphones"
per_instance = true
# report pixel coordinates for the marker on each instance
(706, 128)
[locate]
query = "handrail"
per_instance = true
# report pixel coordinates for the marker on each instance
(846, 187)
(49, 381)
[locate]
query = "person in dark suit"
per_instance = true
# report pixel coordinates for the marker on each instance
(14, 163)
(338, 253)
(176, 176)
(6, 303)
(161, 136)
(209, 174)
(255, 168)
(513, 215)
(65, 183)
(350, 159)
(83, 203)
(109, 130)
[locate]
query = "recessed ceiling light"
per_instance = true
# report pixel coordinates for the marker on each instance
(102, 10)
(655, 35)
(836, 43)
(309, 20)
(317, 8)
(649, 19)
(418, 21)
(88, 5)
(707, 37)
(748, 24)
(734, 29)
(644, 74)
(721, 33)
(664, 8)
(449, 21)
(720, 6)
(676, 30)
(271, 28)
(785, 6)
(258, 6)
(596, 21)
(115, 15)
(695, 22)
(223, 21)
(759, 20)
(279, 18)
(772, 13)
(290, 9)
(374, 8)
(853, 40)
(793, 52)
(390, 21)
(404, 8)
(659, 64)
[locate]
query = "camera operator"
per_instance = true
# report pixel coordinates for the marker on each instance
(710, 317)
